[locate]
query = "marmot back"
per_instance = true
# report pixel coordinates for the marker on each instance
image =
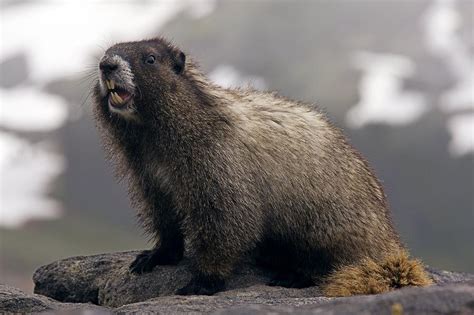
(229, 172)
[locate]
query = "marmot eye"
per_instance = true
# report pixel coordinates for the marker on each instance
(150, 59)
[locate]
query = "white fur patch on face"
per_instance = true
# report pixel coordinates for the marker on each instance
(102, 86)
(127, 113)
(124, 72)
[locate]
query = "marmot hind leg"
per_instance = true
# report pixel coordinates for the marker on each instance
(373, 277)
(293, 267)
(290, 279)
(215, 250)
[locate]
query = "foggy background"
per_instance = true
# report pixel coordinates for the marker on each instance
(397, 76)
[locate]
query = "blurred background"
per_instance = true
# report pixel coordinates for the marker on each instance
(397, 76)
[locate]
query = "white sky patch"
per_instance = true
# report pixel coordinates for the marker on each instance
(229, 77)
(28, 109)
(200, 9)
(26, 173)
(383, 98)
(461, 128)
(59, 37)
(441, 23)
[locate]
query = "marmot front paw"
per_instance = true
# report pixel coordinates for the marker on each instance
(148, 259)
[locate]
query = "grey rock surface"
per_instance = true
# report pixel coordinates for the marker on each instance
(105, 280)
(457, 298)
(13, 300)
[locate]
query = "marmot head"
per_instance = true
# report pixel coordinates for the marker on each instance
(135, 76)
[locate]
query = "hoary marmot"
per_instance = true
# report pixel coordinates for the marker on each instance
(228, 171)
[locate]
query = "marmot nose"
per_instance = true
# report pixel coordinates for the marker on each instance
(107, 65)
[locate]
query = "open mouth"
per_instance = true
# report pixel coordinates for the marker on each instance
(118, 96)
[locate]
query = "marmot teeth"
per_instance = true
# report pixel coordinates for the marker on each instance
(116, 98)
(110, 84)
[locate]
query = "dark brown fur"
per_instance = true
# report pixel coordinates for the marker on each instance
(229, 171)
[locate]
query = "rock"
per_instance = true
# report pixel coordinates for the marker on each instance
(277, 298)
(105, 280)
(455, 298)
(16, 301)
(13, 300)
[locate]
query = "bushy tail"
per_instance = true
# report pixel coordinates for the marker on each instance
(371, 277)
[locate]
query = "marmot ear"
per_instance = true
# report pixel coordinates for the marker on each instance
(179, 62)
